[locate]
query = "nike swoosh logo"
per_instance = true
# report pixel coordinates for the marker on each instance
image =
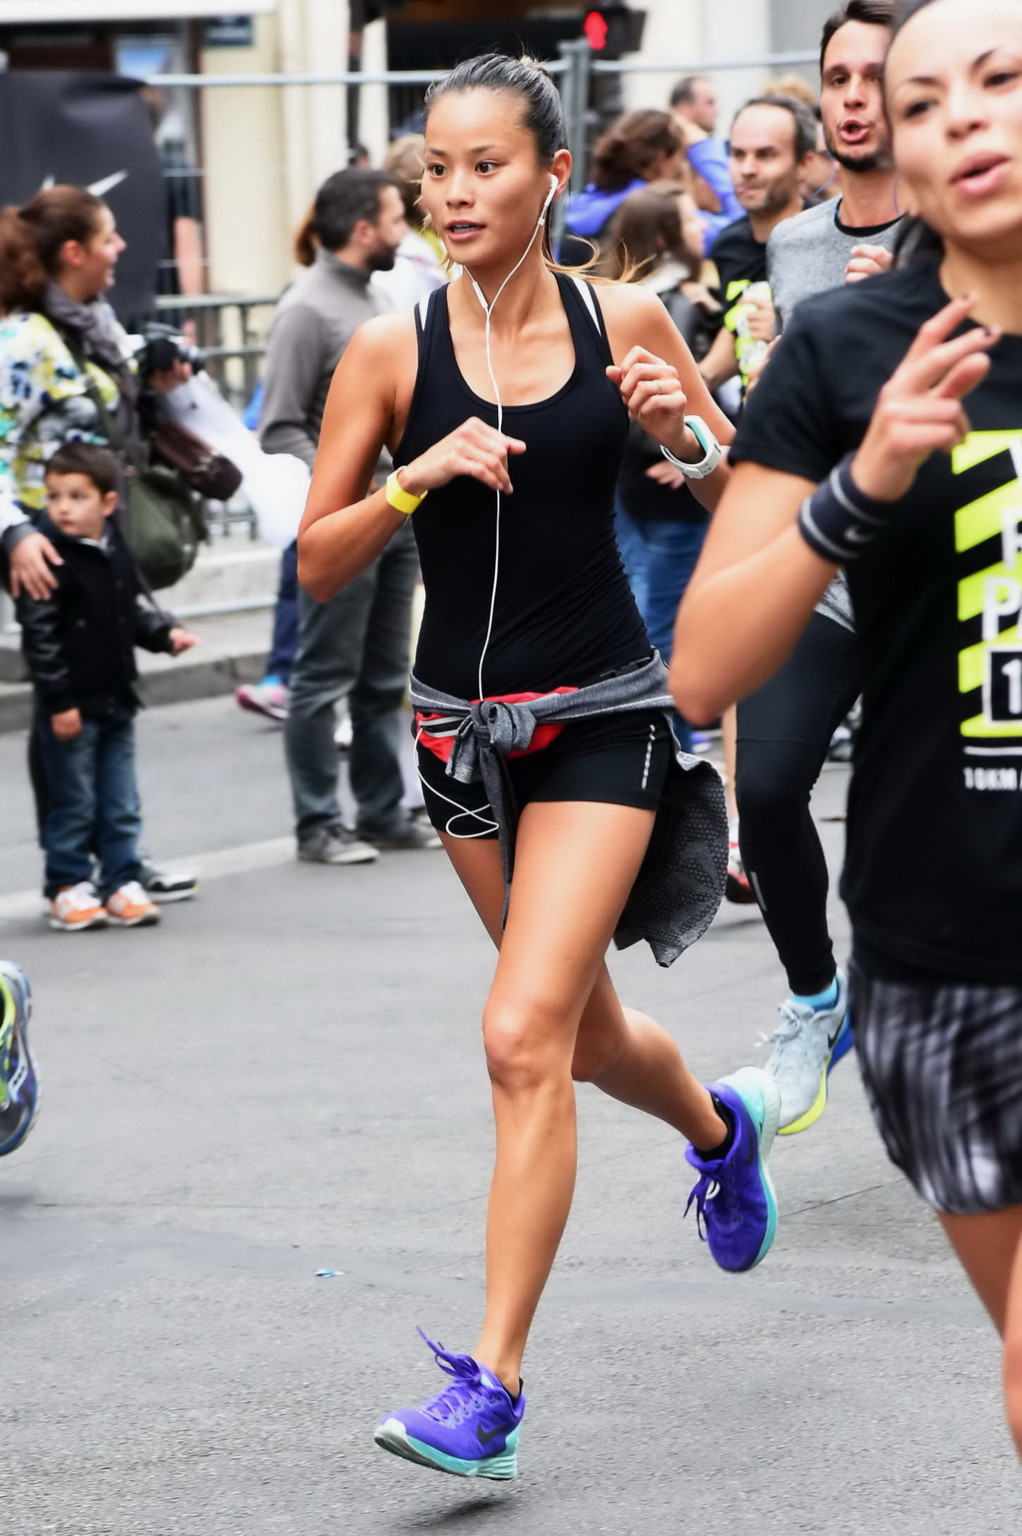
(484, 1436)
(833, 1039)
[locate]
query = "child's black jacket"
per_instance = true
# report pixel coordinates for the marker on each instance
(79, 642)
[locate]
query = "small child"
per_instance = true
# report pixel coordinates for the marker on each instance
(79, 646)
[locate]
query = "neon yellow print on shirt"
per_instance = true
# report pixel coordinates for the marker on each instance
(993, 594)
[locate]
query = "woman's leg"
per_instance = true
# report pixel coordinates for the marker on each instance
(990, 1248)
(552, 1014)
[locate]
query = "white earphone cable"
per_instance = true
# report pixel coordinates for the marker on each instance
(487, 826)
(488, 312)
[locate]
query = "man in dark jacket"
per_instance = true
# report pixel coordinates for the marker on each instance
(79, 645)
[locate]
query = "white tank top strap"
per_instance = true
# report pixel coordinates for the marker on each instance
(588, 299)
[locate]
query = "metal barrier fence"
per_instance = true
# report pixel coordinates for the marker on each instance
(231, 326)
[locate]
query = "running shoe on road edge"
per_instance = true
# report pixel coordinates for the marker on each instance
(740, 1215)
(469, 1428)
(19, 1087)
(808, 1043)
(737, 889)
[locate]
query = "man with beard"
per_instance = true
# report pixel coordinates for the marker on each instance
(771, 140)
(852, 235)
(356, 646)
(785, 727)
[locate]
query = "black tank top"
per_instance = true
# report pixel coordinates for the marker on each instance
(564, 613)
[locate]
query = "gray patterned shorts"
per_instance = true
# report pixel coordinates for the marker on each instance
(942, 1067)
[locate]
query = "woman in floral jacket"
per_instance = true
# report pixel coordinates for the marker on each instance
(59, 344)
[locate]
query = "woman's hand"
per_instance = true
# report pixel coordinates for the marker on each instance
(653, 393)
(31, 559)
(182, 640)
(67, 724)
(919, 410)
(472, 449)
(666, 474)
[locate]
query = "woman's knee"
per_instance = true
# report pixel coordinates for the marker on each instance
(523, 1046)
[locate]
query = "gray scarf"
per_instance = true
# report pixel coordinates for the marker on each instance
(92, 323)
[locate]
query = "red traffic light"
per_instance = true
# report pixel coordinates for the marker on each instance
(595, 28)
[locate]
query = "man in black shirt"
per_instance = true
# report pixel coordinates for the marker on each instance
(772, 138)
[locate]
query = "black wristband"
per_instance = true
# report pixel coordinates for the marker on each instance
(838, 520)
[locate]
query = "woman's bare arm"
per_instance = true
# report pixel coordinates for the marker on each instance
(346, 523)
(758, 580)
(755, 586)
(644, 337)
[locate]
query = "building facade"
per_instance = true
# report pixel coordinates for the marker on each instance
(259, 150)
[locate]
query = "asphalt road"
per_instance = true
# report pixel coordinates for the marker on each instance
(285, 1077)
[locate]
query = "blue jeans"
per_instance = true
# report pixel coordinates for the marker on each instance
(284, 644)
(91, 804)
(659, 558)
(355, 646)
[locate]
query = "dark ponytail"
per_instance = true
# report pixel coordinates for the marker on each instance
(525, 78)
(31, 240)
(917, 243)
(306, 244)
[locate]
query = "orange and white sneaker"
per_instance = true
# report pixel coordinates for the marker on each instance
(77, 906)
(130, 907)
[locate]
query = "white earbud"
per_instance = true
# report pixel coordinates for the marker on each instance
(554, 184)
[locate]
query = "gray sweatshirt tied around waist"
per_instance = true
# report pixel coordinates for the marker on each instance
(681, 883)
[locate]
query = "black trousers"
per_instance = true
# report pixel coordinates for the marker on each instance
(784, 731)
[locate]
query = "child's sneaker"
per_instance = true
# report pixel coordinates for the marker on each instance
(19, 1088)
(77, 906)
(130, 907)
(470, 1428)
(734, 1198)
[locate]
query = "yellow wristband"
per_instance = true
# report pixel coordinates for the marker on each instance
(402, 501)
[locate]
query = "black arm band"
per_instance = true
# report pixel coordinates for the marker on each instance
(838, 520)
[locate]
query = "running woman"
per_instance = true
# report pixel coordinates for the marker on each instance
(876, 467)
(526, 597)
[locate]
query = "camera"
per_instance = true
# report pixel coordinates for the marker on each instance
(161, 347)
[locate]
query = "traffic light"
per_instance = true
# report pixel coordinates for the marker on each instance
(613, 30)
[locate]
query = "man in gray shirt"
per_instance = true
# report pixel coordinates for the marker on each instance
(355, 646)
(784, 729)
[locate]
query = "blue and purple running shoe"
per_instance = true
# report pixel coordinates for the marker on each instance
(469, 1428)
(19, 1088)
(736, 1208)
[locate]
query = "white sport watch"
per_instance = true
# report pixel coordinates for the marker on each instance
(712, 451)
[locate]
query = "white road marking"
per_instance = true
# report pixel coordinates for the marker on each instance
(207, 866)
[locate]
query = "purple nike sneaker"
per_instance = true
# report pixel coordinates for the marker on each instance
(740, 1215)
(470, 1428)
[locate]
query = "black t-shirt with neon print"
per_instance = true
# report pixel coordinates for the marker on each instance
(741, 263)
(933, 873)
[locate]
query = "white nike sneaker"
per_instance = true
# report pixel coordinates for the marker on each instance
(808, 1042)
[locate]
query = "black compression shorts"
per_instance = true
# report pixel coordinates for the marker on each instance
(617, 759)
